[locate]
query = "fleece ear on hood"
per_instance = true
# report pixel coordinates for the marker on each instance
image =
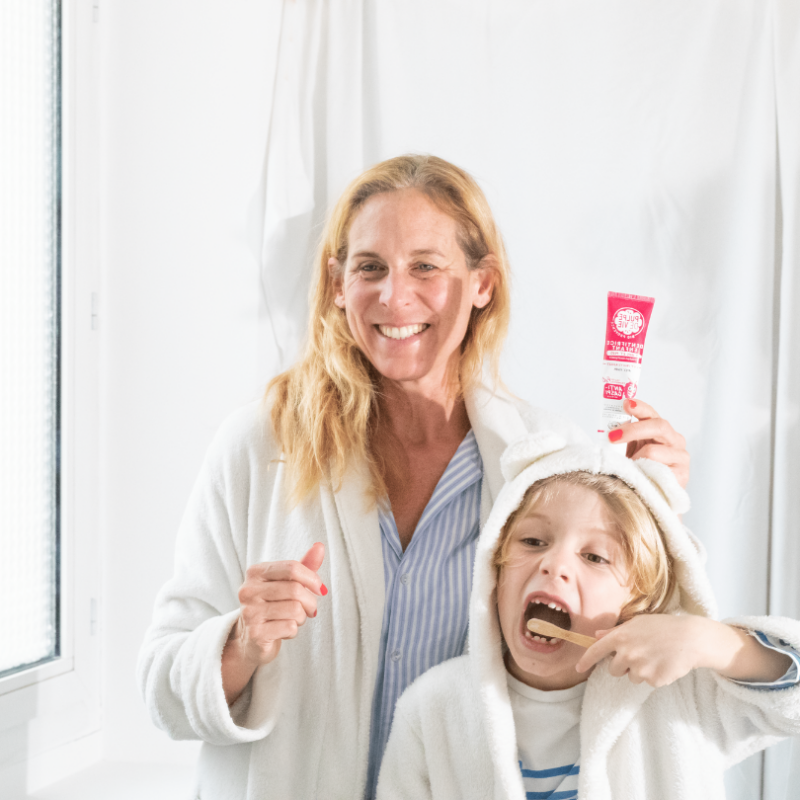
(524, 463)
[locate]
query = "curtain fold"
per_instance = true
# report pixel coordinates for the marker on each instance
(782, 762)
(315, 147)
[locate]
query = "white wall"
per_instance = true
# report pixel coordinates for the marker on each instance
(184, 146)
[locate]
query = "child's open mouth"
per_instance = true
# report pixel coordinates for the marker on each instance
(547, 611)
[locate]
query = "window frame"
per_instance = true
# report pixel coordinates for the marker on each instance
(50, 714)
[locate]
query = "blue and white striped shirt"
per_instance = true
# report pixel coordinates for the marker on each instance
(427, 590)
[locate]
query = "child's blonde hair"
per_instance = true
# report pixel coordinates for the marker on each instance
(649, 564)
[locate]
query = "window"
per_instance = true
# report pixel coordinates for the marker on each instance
(30, 163)
(50, 549)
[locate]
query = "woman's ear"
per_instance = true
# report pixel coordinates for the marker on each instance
(337, 283)
(485, 275)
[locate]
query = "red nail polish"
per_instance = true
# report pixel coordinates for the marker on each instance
(323, 589)
(615, 435)
(632, 403)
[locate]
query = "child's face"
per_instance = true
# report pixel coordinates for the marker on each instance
(566, 552)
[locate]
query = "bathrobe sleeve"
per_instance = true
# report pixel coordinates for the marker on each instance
(179, 669)
(744, 719)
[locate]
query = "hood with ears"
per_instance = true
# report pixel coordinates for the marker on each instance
(529, 460)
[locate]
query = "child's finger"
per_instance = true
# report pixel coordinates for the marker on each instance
(597, 652)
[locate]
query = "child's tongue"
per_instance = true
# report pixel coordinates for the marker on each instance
(552, 615)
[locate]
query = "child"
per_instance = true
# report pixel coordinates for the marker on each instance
(592, 541)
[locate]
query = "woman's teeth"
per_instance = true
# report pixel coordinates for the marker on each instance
(402, 333)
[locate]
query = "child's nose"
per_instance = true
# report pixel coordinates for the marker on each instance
(554, 564)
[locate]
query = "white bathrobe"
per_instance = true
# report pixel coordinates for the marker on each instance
(453, 732)
(301, 730)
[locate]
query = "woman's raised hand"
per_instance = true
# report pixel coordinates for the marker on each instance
(654, 438)
(276, 598)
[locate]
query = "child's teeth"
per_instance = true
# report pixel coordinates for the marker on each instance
(551, 605)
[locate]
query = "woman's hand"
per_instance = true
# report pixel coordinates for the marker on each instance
(276, 598)
(661, 648)
(654, 438)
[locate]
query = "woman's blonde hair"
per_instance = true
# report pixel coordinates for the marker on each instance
(326, 408)
(650, 567)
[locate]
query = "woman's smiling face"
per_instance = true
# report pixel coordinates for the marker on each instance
(564, 563)
(406, 288)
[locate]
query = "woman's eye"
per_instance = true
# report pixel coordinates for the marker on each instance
(370, 270)
(426, 267)
(595, 559)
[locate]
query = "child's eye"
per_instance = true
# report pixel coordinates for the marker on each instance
(529, 540)
(595, 559)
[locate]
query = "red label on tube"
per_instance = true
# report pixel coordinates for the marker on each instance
(626, 327)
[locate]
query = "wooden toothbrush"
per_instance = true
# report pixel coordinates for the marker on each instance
(548, 629)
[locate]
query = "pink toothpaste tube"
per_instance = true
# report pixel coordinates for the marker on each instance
(626, 328)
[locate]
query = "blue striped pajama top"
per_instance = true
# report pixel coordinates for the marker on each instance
(427, 590)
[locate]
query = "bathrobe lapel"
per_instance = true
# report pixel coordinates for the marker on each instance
(358, 518)
(496, 423)
(609, 706)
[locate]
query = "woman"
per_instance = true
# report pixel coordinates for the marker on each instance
(373, 461)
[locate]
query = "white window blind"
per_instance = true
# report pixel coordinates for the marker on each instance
(29, 331)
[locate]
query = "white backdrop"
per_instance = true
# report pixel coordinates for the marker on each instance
(636, 146)
(642, 147)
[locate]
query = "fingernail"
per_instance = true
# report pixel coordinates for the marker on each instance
(323, 589)
(615, 435)
(632, 403)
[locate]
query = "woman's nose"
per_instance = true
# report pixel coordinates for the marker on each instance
(394, 289)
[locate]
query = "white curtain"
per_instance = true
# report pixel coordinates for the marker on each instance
(631, 145)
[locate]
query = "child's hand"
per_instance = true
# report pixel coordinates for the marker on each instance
(660, 648)
(654, 648)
